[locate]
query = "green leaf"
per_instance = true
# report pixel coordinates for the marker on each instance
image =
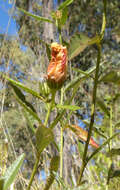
(54, 165)
(22, 97)
(29, 110)
(113, 152)
(80, 71)
(26, 89)
(68, 107)
(39, 18)
(2, 181)
(80, 149)
(44, 136)
(112, 173)
(79, 79)
(116, 173)
(112, 76)
(30, 124)
(64, 17)
(103, 106)
(65, 4)
(78, 43)
(116, 97)
(117, 124)
(102, 146)
(12, 171)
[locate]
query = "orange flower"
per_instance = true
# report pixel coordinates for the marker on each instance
(57, 69)
(82, 135)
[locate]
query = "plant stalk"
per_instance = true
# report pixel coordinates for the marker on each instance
(84, 163)
(61, 141)
(33, 172)
(50, 107)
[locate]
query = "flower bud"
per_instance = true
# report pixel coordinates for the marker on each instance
(57, 68)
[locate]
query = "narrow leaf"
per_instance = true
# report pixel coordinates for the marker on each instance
(112, 76)
(30, 124)
(103, 106)
(114, 152)
(102, 146)
(39, 18)
(54, 165)
(78, 43)
(79, 78)
(82, 134)
(68, 107)
(44, 136)
(26, 89)
(80, 149)
(64, 16)
(29, 110)
(21, 96)
(12, 171)
(65, 4)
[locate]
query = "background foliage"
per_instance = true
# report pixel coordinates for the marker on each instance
(25, 58)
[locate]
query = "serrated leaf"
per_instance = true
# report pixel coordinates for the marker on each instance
(39, 18)
(65, 4)
(78, 43)
(54, 165)
(112, 76)
(44, 136)
(68, 107)
(12, 171)
(26, 89)
(103, 106)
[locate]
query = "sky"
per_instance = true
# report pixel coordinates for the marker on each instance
(5, 6)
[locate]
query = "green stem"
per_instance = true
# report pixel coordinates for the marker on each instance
(110, 125)
(50, 107)
(61, 140)
(33, 172)
(61, 153)
(84, 160)
(92, 115)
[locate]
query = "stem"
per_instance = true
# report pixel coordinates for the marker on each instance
(110, 125)
(84, 160)
(61, 140)
(84, 163)
(33, 172)
(50, 107)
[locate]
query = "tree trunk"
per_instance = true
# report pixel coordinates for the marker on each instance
(48, 33)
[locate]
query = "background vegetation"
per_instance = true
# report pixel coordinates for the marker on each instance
(24, 58)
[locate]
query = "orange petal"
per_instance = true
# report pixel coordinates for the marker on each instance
(57, 69)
